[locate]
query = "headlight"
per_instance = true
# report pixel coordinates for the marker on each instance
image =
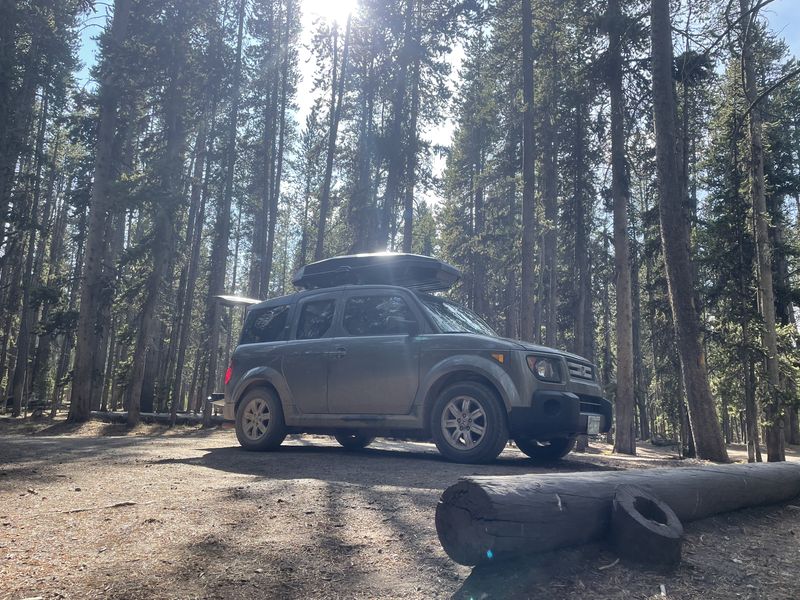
(546, 369)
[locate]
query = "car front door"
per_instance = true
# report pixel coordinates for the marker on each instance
(306, 354)
(374, 363)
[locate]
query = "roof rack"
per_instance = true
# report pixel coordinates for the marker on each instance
(413, 271)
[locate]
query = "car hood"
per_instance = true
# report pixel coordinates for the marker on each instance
(531, 347)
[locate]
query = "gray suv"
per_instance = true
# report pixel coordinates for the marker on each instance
(367, 351)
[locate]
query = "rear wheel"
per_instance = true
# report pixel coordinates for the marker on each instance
(546, 450)
(354, 441)
(259, 420)
(468, 423)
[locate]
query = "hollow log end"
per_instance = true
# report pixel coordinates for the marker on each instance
(645, 529)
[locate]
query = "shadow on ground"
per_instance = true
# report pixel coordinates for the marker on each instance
(402, 464)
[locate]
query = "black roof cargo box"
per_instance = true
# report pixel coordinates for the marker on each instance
(413, 271)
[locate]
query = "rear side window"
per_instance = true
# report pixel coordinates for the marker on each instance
(266, 325)
(315, 319)
(377, 315)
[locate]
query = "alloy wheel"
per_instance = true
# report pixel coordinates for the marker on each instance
(463, 423)
(255, 419)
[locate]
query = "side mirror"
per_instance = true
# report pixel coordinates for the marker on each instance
(408, 326)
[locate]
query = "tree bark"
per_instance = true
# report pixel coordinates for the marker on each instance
(488, 519)
(276, 191)
(766, 294)
(163, 245)
(88, 338)
(219, 253)
(337, 91)
(549, 179)
(528, 179)
(625, 434)
(394, 151)
(412, 144)
(676, 243)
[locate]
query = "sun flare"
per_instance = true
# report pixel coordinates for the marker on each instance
(335, 11)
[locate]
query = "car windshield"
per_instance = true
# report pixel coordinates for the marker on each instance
(454, 318)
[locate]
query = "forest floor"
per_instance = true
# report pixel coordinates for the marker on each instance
(97, 511)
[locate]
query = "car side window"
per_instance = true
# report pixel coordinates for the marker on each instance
(315, 319)
(266, 325)
(377, 315)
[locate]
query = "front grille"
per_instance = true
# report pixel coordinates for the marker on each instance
(580, 371)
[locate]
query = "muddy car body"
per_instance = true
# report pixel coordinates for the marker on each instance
(361, 360)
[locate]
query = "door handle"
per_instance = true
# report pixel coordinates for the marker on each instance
(338, 353)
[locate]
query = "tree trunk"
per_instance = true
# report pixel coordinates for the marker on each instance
(170, 171)
(411, 150)
(676, 243)
(88, 338)
(362, 214)
(276, 191)
(528, 179)
(625, 438)
(21, 377)
(222, 228)
(641, 383)
(8, 62)
(394, 150)
(583, 327)
(194, 234)
(337, 92)
(549, 181)
(766, 294)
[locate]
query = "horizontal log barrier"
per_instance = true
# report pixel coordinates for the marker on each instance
(483, 519)
(162, 418)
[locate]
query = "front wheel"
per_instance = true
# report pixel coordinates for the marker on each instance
(548, 450)
(259, 420)
(353, 441)
(468, 423)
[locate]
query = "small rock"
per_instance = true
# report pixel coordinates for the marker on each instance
(77, 489)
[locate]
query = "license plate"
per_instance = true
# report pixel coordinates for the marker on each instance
(593, 425)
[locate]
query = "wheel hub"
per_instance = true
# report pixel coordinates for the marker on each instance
(256, 419)
(463, 422)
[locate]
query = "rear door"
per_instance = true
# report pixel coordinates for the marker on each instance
(374, 363)
(306, 354)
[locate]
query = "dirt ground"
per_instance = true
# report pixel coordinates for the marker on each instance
(97, 511)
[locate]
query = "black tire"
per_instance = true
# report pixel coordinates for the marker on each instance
(493, 421)
(546, 451)
(354, 441)
(248, 432)
(644, 529)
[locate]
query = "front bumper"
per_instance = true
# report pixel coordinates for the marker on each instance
(554, 414)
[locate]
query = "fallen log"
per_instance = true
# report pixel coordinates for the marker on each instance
(483, 519)
(162, 418)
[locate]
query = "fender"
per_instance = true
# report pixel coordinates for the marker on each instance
(264, 375)
(474, 364)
